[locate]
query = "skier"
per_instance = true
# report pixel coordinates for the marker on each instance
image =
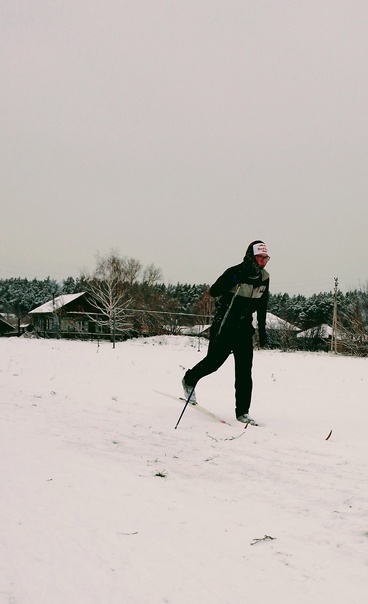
(241, 290)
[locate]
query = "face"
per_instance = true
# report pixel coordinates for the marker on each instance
(262, 259)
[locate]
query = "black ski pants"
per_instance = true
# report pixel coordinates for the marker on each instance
(240, 344)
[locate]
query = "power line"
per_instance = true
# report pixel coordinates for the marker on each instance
(167, 312)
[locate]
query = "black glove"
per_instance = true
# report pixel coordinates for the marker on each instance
(263, 339)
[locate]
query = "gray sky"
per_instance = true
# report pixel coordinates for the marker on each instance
(177, 131)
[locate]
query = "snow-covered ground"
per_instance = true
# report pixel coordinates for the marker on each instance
(104, 502)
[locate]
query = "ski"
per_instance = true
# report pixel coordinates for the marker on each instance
(206, 412)
(199, 408)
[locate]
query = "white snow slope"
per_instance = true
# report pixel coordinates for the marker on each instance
(104, 502)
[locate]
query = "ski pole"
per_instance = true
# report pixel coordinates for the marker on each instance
(229, 309)
(185, 406)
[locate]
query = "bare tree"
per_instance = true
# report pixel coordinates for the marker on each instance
(124, 295)
(131, 269)
(205, 307)
(151, 275)
(108, 293)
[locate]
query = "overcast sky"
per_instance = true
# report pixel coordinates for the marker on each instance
(177, 131)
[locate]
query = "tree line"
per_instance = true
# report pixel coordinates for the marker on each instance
(307, 312)
(20, 295)
(120, 286)
(128, 294)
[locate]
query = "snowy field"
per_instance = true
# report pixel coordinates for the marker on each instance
(104, 502)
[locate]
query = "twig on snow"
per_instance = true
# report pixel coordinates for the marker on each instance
(234, 437)
(265, 538)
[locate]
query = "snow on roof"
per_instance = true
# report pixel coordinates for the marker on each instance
(3, 320)
(274, 322)
(8, 316)
(320, 331)
(55, 304)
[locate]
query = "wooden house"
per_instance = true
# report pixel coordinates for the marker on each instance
(68, 315)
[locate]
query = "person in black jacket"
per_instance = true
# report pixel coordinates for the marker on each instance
(241, 291)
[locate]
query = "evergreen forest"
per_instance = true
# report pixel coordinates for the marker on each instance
(20, 295)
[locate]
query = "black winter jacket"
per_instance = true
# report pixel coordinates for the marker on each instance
(252, 297)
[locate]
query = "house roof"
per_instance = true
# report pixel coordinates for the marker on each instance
(6, 323)
(274, 322)
(320, 331)
(8, 316)
(56, 304)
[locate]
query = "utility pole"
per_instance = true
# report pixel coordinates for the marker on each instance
(334, 319)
